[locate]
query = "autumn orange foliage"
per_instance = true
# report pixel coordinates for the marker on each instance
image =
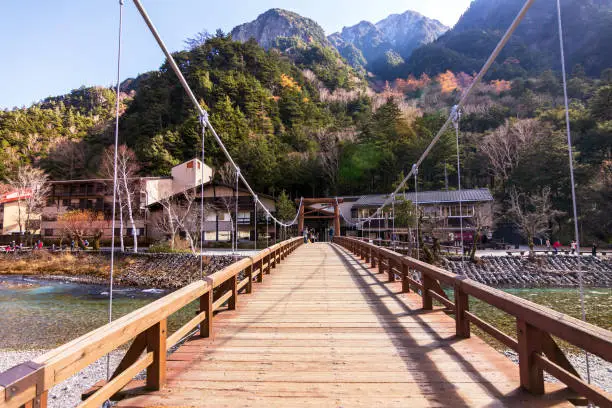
(288, 82)
(412, 84)
(501, 85)
(448, 81)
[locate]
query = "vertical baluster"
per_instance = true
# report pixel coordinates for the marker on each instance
(206, 305)
(156, 343)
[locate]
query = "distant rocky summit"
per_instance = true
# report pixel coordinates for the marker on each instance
(276, 23)
(375, 47)
(388, 42)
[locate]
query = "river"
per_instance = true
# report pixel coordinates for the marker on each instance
(41, 314)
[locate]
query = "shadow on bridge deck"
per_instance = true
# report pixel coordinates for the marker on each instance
(326, 331)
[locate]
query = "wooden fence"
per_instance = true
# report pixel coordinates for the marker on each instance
(536, 325)
(28, 384)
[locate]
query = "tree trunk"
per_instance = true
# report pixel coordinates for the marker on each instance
(128, 199)
(122, 244)
(473, 251)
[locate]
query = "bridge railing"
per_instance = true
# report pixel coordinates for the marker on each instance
(536, 324)
(28, 384)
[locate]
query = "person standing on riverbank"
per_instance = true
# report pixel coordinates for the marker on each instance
(573, 247)
(556, 246)
(594, 249)
(547, 245)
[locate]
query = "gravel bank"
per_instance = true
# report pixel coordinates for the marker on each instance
(68, 393)
(601, 370)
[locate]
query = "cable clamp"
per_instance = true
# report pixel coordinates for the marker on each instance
(456, 115)
(204, 119)
(415, 169)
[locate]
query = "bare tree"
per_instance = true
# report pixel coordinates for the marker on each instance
(67, 157)
(505, 146)
(127, 187)
(192, 225)
(32, 189)
(227, 175)
(78, 224)
(175, 212)
(329, 156)
(532, 213)
(483, 221)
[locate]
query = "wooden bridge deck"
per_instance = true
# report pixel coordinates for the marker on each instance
(324, 330)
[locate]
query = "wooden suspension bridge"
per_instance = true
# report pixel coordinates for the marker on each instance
(326, 325)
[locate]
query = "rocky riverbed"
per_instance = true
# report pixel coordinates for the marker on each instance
(542, 271)
(164, 271)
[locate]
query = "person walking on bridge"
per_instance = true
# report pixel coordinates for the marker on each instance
(305, 233)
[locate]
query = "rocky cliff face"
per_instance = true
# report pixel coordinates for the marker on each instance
(389, 41)
(276, 23)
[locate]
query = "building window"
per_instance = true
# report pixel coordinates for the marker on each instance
(66, 202)
(48, 232)
(50, 201)
(244, 217)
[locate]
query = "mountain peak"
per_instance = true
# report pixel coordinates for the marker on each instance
(277, 22)
(397, 35)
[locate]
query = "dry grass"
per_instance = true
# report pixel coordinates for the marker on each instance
(44, 263)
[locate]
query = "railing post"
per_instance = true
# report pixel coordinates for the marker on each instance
(156, 343)
(274, 254)
(261, 271)
(249, 273)
(462, 324)
(405, 282)
(381, 261)
(529, 343)
(233, 286)
(206, 305)
(426, 297)
(390, 273)
(373, 256)
(267, 259)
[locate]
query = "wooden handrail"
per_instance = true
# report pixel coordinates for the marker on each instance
(536, 324)
(30, 382)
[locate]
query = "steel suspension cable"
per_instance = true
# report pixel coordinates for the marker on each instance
(456, 115)
(415, 171)
(255, 222)
(571, 169)
(237, 195)
(393, 222)
(202, 232)
(201, 111)
(115, 185)
(468, 92)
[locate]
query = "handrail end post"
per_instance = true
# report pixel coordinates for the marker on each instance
(462, 305)
(529, 343)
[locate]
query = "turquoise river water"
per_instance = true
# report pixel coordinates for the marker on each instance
(36, 313)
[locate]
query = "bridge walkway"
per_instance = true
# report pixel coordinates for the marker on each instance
(324, 330)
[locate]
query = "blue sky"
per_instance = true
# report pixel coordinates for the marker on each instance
(50, 47)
